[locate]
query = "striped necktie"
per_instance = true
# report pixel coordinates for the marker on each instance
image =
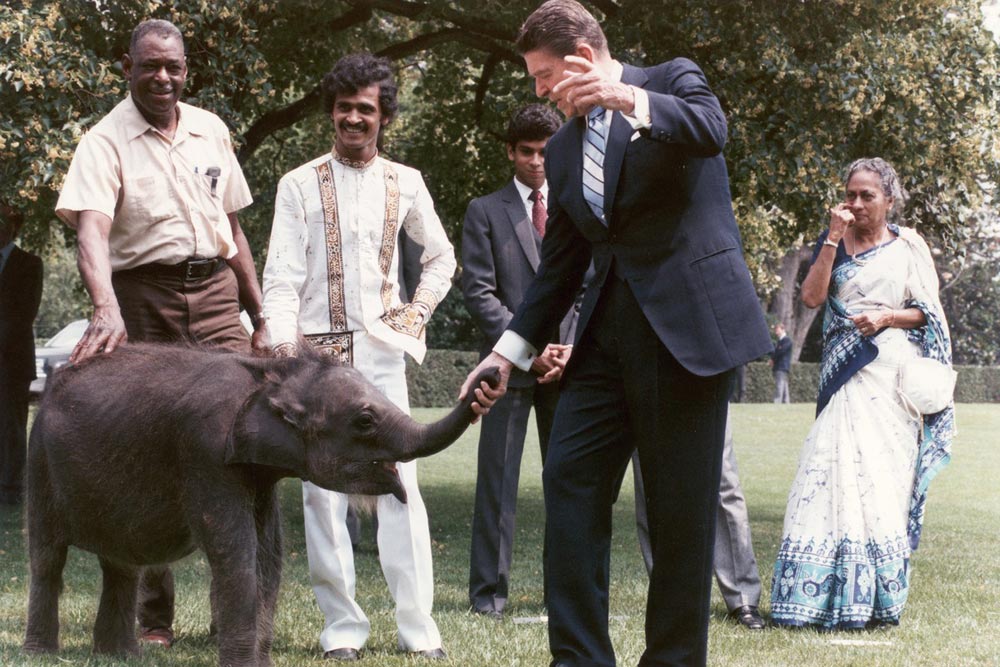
(593, 162)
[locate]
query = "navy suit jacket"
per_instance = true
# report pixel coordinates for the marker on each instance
(500, 255)
(782, 354)
(20, 295)
(671, 233)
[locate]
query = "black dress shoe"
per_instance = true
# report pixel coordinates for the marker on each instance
(748, 617)
(431, 654)
(342, 654)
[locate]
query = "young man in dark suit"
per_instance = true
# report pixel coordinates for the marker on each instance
(638, 185)
(20, 294)
(781, 364)
(501, 247)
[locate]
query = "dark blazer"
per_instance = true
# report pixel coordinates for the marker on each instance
(500, 255)
(20, 295)
(782, 354)
(671, 233)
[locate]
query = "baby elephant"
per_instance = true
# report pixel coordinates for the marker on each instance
(143, 455)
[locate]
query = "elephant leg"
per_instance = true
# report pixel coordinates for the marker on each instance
(114, 631)
(47, 562)
(156, 600)
(47, 555)
(232, 557)
(269, 549)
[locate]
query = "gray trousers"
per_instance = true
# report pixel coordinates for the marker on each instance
(781, 394)
(501, 444)
(734, 564)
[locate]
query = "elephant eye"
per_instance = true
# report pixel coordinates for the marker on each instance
(364, 421)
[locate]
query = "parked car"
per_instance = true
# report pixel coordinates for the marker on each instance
(55, 352)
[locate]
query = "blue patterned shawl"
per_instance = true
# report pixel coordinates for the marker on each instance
(846, 351)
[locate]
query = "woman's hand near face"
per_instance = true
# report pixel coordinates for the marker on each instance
(817, 282)
(840, 219)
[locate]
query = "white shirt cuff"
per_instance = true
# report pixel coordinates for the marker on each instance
(640, 118)
(514, 348)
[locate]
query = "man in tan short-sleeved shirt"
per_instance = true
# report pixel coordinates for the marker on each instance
(153, 192)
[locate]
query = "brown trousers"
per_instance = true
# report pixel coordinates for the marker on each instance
(169, 309)
(162, 308)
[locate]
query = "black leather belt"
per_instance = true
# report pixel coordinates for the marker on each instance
(188, 270)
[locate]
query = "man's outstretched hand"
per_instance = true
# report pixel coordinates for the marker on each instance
(484, 395)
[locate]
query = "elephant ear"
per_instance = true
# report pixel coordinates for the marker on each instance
(262, 436)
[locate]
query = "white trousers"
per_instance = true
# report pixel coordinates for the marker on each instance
(404, 541)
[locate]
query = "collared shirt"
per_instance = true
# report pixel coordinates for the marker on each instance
(525, 193)
(333, 259)
(164, 202)
(5, 254)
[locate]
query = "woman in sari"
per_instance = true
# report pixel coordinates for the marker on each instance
(856, 506)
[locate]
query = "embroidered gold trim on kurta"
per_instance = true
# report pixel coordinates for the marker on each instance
(389, 241)
(335, 344)
(334, 248)
(354, 164)
(411, 318)
(427, 298)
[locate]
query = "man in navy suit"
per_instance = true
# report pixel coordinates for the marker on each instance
(781, 364)
(501, 241)
(638, 184)
(20, 294)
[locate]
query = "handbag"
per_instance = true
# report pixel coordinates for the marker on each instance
(926, 386)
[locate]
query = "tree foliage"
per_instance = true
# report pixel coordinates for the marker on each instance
(807, 85)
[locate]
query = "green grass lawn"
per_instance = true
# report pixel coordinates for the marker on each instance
(952, 617)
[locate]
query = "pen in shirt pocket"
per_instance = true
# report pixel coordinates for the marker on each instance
(212, 173)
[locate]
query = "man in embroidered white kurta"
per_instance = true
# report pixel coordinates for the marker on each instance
(332, 274)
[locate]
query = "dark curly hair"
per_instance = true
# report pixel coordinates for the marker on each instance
(532, 123)
(360, 70)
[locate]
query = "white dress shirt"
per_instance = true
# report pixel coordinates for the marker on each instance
(525, 193)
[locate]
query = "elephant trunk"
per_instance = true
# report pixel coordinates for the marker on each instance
(427, 439)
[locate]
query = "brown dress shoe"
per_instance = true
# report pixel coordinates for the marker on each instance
(342, 654)
(748, 617)
(159, 636)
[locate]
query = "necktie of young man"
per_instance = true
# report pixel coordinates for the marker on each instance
(593, 162)
(538, 213)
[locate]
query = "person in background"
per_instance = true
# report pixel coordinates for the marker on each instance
(781, 364)
(20, 296)
(856, 507)
(501, 244)
(739, 384)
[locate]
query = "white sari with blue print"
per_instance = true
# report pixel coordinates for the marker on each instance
(856, 506)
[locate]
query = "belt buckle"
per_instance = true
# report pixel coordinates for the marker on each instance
(196, 269)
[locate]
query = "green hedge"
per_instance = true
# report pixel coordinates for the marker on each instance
(437, 381)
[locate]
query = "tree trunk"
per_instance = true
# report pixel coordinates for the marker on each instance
(786, 306)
